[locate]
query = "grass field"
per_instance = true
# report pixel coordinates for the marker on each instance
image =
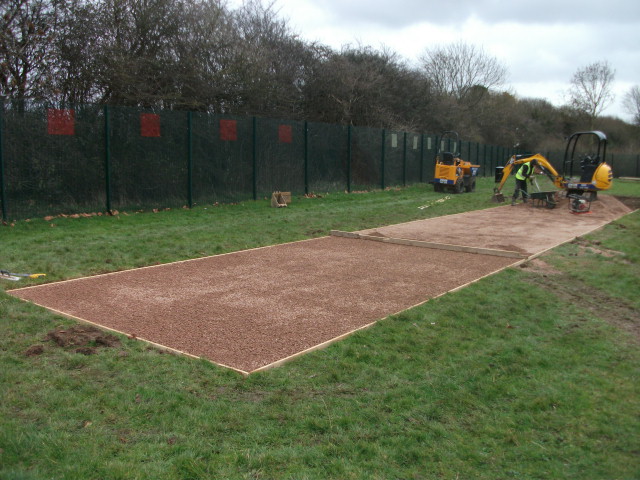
(532, 373)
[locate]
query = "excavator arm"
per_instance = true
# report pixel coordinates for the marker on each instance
(517, 160)
(595, 174)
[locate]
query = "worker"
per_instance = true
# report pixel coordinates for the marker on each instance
(522, 175)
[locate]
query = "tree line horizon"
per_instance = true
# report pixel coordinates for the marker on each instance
(200, 55)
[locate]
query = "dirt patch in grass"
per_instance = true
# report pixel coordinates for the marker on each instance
(587, 246)
(34, 351)
(631, 202)
(83, 339)
(614, 311)
(540, 267)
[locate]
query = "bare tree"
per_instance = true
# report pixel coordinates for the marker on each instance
(75, 69)
(631, 103)
(135, 54)
(270, 62)
(204, 50)
(27, 32)
(457, 69)
(363, 86)
(590, 90)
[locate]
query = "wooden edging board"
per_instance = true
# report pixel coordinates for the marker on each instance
(439, 246)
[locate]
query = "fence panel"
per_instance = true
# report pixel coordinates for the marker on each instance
(52, 159)
(625, 164)
(280, 162)
(366, 158)
(327, 157)
(393, 158)
(414, 153)
(148, 153)
(222, 158)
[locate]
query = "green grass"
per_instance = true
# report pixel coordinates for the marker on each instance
(526, 374)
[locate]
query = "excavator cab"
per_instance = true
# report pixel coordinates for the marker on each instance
(451, 172)
(584, 164)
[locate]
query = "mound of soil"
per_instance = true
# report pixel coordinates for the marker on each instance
(34, 350)
(84, 338)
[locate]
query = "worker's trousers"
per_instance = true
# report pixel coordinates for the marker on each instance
(521, 186)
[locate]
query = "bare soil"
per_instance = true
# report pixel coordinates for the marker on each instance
(522, 228)
(85, 339)
(252, 309)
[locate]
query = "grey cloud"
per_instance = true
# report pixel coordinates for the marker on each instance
(403, 13)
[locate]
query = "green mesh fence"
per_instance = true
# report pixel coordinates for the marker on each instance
(625, 164)
(327, 157)
(366, 158)
(147, 158)
(222, 159)
(414, 152)
(280, 154)
(51, 159)
(65, 159)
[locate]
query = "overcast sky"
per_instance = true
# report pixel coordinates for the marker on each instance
(542, 43)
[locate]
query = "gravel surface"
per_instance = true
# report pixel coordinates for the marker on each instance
(250, 309)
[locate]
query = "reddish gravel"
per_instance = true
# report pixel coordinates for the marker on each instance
(251, 309)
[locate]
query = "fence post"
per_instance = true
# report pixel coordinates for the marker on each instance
(255, 158)
(3, 195)
(421, 157)
(189, 159)
(611, 161)
(349, 158)
(107, 157)
(494, 156)
(306, 158)
(384, 132)
(484, 156)
(404, 161)
(637, 166)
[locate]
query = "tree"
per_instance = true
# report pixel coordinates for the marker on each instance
(270, 63)
(590, 91)
(631, 103)
(457, 69)
(204, 50)
(75, 70)
(364, 86)
(136, 51)
(27, 31)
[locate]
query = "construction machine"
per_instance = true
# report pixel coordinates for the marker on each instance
(594, 174)
(451, 172)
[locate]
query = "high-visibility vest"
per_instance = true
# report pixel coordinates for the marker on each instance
(525, 171)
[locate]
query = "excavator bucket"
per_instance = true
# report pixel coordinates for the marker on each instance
(498, 197)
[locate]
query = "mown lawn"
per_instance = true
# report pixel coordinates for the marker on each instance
(532, 373)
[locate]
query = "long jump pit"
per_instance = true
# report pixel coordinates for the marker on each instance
(255, 309)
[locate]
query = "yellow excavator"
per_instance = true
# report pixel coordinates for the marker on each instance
(594, 175)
